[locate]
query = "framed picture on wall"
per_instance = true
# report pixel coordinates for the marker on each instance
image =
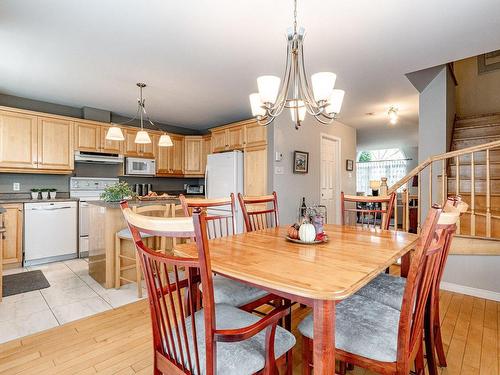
(349, 165)
(300, 162)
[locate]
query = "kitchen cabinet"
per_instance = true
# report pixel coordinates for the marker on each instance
(207, 149)
(143, 150)
(55, 144)
(18, 140)
(193, 156)
(255, 170)
(107, 146)
(219, 140)
(148, 150)
(235, 138)
(87, 137)
(255, 135)
(170, 160)
(13, 236)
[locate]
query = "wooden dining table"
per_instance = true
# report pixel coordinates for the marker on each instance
(316, 275)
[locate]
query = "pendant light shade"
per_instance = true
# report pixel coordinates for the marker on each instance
(142, 137)
(322, 84)
(256, 105)
(115, 134)
(335, 101)
(165, 141)
(268, 88)
(298, 106)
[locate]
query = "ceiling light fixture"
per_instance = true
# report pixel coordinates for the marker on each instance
(393, 115)
(142, 137)
(293, 91)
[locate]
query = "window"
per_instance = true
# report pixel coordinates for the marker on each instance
(373, 165)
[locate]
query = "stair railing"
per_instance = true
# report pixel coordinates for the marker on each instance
(443, 161)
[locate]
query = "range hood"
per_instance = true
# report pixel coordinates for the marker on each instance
(97, 158)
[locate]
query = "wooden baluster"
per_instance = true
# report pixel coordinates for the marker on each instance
(419, 201)
(457, 188)
(472, 196)
(444, 183)
(383, 191)
(488, 195)
(395, 212)
(430, 185)
(407, 209)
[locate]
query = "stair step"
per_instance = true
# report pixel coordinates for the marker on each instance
(477, 120)
(480, 186)
(479, 170)
(459, 144)
(477, 131)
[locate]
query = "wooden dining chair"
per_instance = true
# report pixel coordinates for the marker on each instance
(221, 224)
(256, 212)
(127, 262)
(378, 337)
(372, 212)
(216, 339)
(389, 290)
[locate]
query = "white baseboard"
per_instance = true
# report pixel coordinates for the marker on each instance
(475, 292)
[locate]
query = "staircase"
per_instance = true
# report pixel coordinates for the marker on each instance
(476, 176)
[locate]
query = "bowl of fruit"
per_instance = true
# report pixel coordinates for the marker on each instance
(305, 233)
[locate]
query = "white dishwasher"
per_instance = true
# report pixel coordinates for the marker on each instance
(50, 232)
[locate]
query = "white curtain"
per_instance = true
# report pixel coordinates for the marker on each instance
(394, 170)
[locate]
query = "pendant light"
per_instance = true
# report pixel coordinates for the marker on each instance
(142, 137)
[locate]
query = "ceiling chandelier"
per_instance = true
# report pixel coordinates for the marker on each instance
(293, 91)
(142, 137)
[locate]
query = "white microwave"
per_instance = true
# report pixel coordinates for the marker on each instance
(140, 167)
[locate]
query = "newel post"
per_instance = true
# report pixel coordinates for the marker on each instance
(383, 186)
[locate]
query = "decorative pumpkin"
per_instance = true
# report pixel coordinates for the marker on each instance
(293, 232)
(307, 232)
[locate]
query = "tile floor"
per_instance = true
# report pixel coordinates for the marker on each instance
(72, 295)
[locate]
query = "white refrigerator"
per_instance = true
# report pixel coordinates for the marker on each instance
(223, 176)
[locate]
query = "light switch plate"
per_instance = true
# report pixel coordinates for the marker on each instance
(278, 156)
(279, 170)
(16, 186)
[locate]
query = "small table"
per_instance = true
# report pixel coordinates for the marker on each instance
(315, 275)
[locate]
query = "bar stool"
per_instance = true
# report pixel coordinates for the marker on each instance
(159, 243)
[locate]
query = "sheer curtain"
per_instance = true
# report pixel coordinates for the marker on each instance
(394, 170)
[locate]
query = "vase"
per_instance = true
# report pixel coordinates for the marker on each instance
(45, 195)
(53, 194)
(34, 195)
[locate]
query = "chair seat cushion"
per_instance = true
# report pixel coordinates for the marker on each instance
(125, 233)
(386, 289)
(234, 293)
(363, 327)
(244, 357)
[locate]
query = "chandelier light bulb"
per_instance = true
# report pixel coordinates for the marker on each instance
(142, 137)
(256, 105)
(115, 134)
(393, 115)
(165, 141)
(268, 88)
(323, 84)
(335, 102)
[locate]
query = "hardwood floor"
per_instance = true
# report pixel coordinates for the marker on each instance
(119, 342)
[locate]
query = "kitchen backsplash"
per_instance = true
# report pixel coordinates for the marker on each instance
(61, 182)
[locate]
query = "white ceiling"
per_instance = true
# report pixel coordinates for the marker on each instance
(200, 59)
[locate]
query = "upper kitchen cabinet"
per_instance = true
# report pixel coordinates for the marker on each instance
(130, 148)
(107, 146)
(255, 134)
(148, 150)
(18, 141)
(193, 156)
(219, 142)
(170, 160)
(207, 149)
(87, 137)
(235, 138)
(55, 144)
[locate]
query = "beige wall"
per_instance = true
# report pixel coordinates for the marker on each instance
(292, 187)
(476, 93)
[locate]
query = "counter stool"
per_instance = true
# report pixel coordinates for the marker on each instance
(158, 243)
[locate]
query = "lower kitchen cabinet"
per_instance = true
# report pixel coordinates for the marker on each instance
(13, 236)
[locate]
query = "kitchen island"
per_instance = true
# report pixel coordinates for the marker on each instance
(106, 219)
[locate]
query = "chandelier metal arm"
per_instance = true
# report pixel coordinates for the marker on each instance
(277, 108)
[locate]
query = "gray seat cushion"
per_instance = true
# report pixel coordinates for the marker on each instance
(244, 357)
(125, 233)
(385, 289)
(363, 327)
(234, 293)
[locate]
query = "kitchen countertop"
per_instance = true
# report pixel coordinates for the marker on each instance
(29, 200)
(135, 202)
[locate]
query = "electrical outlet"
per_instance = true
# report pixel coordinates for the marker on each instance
(16, 186)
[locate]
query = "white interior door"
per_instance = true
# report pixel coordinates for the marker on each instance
(330, 182)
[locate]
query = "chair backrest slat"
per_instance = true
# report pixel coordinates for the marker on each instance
(217, 225)
(371, 212)
(172, 284)
(256, 213)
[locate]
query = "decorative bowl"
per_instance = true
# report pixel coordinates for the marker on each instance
(296, 240)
